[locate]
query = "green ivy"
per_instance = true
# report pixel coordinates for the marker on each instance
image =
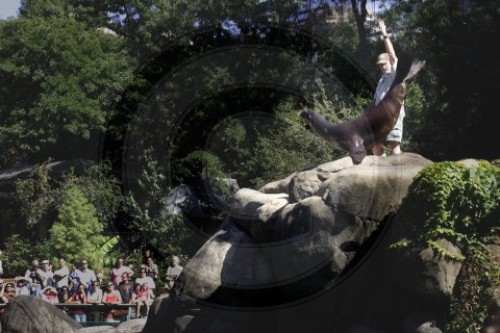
(459, 204)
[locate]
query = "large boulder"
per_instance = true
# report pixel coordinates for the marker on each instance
(297, 249)
(27, 314)
(423, 270)
(267, 241)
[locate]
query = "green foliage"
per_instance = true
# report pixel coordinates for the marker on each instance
(163, 230)
(455, 39)
(457, 201)
(16, 256)
(58, 82)
(36, 195)
(39, 196)
(209, 164)
(105, 251)
(460, 204)
(286, 150)
(77, 233)
(100, 188)
(45, 250)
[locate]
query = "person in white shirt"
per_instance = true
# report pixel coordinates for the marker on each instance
(1, 267)
(388, 62)
(144, 279)
(174, 270)
(61, 275)
(47, 275)
(86, 275)
(34, 274)
(94, 296)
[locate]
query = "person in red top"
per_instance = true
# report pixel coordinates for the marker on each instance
(79, 297)
(49, 294)
(142, 298)
(111, 296)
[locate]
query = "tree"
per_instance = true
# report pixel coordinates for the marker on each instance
(149, 215)
(77, 233)
(360, 14)
(17, 255)
(36, 196)
(58, 81)
(461, 75)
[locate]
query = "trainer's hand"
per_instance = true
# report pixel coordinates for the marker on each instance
(383, 28)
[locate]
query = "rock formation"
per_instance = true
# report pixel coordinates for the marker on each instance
(310, 253)
(27, 314)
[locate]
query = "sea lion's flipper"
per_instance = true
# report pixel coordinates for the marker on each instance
(415, 67)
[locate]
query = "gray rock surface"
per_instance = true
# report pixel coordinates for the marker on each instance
(131, 326)
(288, 242)
(312, 253)
(182, 200)
(423, 270)
(27, 314)
(267, 241)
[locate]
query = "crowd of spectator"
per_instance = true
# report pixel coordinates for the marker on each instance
(81, 285)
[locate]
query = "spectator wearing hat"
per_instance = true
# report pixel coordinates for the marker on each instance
(24, 286)
(387, 63)
(7, 292)
(46, 273)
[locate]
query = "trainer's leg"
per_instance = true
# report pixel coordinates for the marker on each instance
(395, 147)
(378, 149)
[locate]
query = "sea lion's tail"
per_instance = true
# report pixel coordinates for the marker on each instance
(416, 66)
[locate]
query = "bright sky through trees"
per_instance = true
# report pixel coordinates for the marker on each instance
(9, 8)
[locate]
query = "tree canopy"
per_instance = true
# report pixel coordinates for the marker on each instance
(58, 82)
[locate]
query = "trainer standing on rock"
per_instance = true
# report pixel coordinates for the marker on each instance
(388, 63)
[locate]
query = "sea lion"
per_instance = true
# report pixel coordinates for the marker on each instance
(358, 136)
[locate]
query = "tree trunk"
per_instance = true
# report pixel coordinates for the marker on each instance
(360, 13)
